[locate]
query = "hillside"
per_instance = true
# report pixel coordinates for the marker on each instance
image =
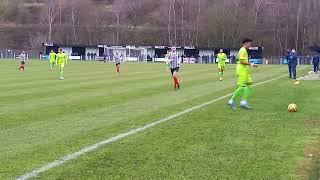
(207, 23)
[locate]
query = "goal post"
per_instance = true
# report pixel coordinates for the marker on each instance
(127, 53)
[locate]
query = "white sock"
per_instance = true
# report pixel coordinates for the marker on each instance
(243, 103)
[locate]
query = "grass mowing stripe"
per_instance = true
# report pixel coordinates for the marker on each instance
(93, 147)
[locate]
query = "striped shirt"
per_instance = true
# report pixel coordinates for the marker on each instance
(23, 57)
(117, 58)
(174, 60)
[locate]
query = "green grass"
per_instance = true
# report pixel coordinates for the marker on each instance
(43, 119)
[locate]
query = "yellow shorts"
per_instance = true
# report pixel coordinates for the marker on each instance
(244, 79)
(61, 65)
(52, 61)
(221, 66)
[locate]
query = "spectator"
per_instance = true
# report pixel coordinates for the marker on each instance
(94, 56)
(91, 55)
(212, 58)
(315, 62)
(233, 61)
(105, 55)
(287, 58)
(88, 56)
(292, 63)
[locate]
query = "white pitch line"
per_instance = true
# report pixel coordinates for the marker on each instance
(93, 147)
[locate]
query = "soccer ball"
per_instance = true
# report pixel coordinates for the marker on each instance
(292, 107)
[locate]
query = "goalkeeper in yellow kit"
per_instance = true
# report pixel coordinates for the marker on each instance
(61, 61)
(244, 76)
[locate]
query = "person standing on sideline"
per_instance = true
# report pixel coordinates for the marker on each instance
(95, 56)
(105, 54)
(287, 57)
(293, 64)
(315, 62)
(91, 55)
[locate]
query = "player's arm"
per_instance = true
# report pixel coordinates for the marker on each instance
(179, 60)
(243, 61)
(166, 58)
(248, 64)
(66, 58)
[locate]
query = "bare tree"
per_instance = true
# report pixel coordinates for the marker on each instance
(49, 16)
(73, 23)
(182, 23)
(118, 26)
(198, 20)
(174, 22)
(236, 7)
(298, 23)
(169, 23)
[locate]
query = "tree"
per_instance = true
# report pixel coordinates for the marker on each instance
(49, 16)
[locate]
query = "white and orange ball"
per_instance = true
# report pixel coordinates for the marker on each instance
(292, 107)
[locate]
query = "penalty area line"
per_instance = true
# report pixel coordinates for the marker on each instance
(120, 136)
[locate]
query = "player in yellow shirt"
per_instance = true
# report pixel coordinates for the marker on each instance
(244, 76)
(222, 57)
(52, 58)
(61, 61)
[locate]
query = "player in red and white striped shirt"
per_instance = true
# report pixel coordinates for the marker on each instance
(174, 60)
(117, 60)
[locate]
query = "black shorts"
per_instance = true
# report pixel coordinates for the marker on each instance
(117, 64)
(174, 70)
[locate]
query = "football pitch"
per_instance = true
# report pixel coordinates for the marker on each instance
(44, 119)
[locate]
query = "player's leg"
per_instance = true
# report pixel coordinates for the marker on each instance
(246, 93)
(51, 65)
(290, 71)
(118, 68)
(21, 67)
(220, 72)
(235, 96)
(239, 91)
(316, 67)
(175, 78)
(61, 68)
(174, 81)
(294, 72)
